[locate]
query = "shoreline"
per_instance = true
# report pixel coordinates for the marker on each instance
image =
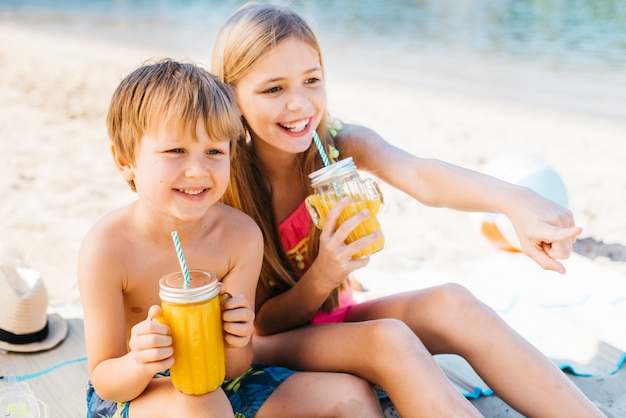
(578, 87)
(58, 177)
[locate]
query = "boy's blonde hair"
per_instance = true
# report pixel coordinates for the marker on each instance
(246, 37)
(173, 94)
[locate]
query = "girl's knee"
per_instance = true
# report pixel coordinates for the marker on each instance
(454, 292)
(388, 335)
(452, 300)
(394, 328)
(455, 310)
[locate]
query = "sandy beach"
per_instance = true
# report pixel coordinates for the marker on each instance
(57, 177)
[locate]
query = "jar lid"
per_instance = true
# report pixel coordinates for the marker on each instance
(202, 285)
(331, 171)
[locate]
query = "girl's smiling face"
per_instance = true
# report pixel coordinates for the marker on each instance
(179, 175)
(283, 97)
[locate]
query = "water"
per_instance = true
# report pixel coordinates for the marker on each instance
(566, 53)
(555, 32)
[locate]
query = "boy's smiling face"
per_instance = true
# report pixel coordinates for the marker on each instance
(177, 174)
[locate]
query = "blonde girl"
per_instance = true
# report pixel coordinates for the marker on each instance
(305, 316)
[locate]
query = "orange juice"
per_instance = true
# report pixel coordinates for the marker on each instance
(323, 203)
(194, 317)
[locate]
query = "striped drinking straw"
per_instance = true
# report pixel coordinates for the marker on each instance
(181, 259)
(322, 152)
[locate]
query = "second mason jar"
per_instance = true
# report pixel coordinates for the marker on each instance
(332, 183)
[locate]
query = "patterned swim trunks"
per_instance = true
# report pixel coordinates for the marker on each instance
(250, 390)
(246, 393)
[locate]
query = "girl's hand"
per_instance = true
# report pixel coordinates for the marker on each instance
(546, 231)
(151, 343)
(334, 260)
(238, 318)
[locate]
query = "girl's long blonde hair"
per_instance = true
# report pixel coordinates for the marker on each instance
(247, 36)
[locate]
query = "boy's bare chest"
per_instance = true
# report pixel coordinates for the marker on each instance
(141, 286)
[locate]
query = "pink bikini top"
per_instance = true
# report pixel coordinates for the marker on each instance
(294, 235)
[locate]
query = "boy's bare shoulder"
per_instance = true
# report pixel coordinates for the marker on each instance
(237, 232)
(235, 218)
(107, 236)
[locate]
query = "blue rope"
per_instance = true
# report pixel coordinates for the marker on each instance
(620, 363)
(41, 372)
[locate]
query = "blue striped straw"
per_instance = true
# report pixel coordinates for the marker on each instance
(322, 152)
(320, 149)
(181, 259)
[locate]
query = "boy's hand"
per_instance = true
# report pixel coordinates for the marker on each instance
(238, 318)
(151, 343)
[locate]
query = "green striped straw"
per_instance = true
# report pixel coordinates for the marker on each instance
(322, 152)
(181, 259)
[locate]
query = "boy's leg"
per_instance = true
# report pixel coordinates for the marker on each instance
(161, 399)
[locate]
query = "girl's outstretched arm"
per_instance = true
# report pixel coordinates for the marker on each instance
(546, 230)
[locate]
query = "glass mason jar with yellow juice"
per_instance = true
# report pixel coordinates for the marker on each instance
(332, 183)
(194, 316)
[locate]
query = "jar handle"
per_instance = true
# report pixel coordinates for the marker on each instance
(373, 191)
(312, 209)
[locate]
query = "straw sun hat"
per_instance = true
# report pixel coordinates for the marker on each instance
(25, 325)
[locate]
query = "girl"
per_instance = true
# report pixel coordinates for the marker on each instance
(272, 59)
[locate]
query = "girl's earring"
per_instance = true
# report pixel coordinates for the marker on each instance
(247, 129)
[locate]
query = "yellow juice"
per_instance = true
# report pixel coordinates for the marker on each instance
(324, 203)
(196, 326)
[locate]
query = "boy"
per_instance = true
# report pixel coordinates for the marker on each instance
(173, 128)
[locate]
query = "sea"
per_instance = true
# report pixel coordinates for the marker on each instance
(568, 54)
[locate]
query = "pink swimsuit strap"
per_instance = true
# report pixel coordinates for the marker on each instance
(294, 235)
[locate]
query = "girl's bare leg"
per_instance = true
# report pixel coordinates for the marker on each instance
(385, 352)
(317, 394)
(448, 319)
